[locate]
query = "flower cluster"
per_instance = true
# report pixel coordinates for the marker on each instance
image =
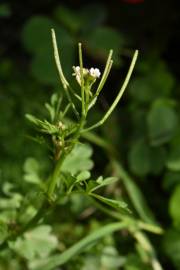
(89, 75)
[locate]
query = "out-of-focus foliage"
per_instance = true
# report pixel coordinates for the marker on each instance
(144, 131)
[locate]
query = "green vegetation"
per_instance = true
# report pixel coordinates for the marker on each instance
(86, 184)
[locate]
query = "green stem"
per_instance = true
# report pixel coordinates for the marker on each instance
(57, 60)
(105, 210)
(142, 239)
(56, 173)
(90, 240)
(54, 177)
(105, 73)
(81, 77)
(65, 83)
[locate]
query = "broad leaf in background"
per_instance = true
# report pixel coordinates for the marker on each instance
(107, 258)
(83, 19)
(110, 259)
(12, 199)
(90, 240)
(162, 123)
(139, 158)
(106, 38)
(171, 245)
(144, 159)
(3, 231)
(36, 37)
(155, 81)
(134, 262)
(10, 203)
(36, 243)
(5, 10)
(174, 204)
(92, 15)
(79, 159)
(68, 18)
(173, 161)
(171, 179)
(31, 171)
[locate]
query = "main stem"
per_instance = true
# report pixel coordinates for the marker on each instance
(55, 175)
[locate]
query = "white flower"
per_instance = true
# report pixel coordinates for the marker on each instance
(77, 70)
(95, 72)
(77, 73)
(88, 74)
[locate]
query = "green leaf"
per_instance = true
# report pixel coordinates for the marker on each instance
(68, 17)
(79, 159)
(5, 10)
(100, 182)
(84, 175)
(43, 68)
(110, 259)
(31, 170)
(140, 158)
(174, 204)
(173, 162)
(32, 119)
(12, 200)
(92, 15)
(85, 19)
(68, 179)
(36, 36)
(117, 204)
(3, 231)
(134, 262)
(43, 126)
(144, 159)
(102, 39)
(53, 105)
(158, 159)
(91, 239)
(38, 242)
(162, 123)
(171, 246)
(155, 82)
(91, 263)
(136, 196)
(171, 178)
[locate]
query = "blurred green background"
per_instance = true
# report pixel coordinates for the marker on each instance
(145, 128)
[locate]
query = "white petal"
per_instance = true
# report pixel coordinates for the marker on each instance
(94, 72)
